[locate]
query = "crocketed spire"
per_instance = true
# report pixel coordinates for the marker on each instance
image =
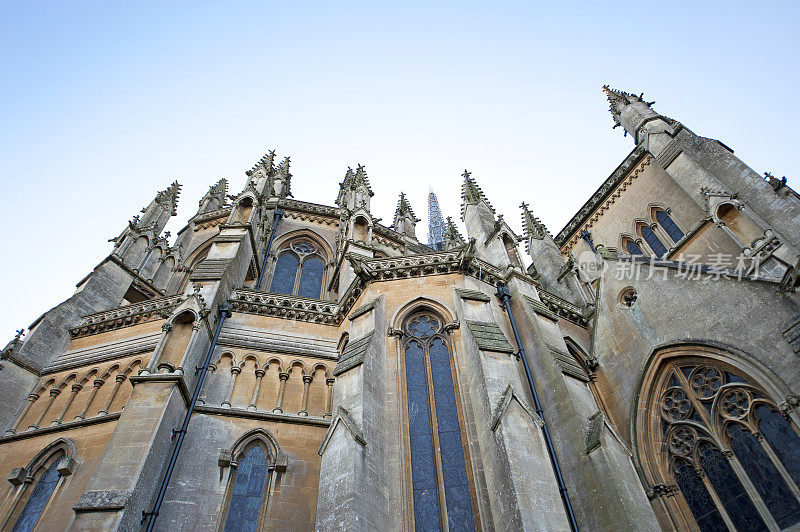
(471, 194)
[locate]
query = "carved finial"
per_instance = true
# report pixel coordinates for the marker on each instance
(532, 226)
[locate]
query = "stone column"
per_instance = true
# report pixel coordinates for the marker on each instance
(53, 394)
(211, 369)
(31, 399)
(75, 389)
(259, 375)
(120, 378)
(306, 384)
(235, 371)
(279, 406)
(329, 397)
(95, 387)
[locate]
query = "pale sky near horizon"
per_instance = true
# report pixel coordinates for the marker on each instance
(104, 103)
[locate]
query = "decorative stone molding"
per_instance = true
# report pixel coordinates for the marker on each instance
(541, 309)
(353, 354)
(669, 154)
(360, 311)
(104, 500)
(611, 188)
(17, 476)
(126, 316)
(564, 308)
(502, 405)
(211, 269)
(473, 295)
(489, 337)
(286, 306)
(342, 416)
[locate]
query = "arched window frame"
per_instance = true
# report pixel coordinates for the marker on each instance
(440, 314)
(625, 239)
(661, 230)
(319, 253)
(276, 464)
(59, 454)
(652, 442)
(641, 230)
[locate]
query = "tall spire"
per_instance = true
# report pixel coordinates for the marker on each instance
(169, 197)
(471, 194)
(532, 226)
(405, 220)
(281, 185)
(452, 238)
(629, 110)
(436, 225)
(215, 197)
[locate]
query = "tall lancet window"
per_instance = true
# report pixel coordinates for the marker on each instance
(666, 222)
(440, 485)
(299, 270)
(658, 247)
(40, 496)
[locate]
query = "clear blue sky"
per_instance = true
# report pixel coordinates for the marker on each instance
(103, 103)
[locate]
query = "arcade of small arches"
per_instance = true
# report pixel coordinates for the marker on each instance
(660, 234)
(269, 384)
(76, 396)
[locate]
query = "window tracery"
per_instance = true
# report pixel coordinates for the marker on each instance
(300, 269)
(665, 221)
(655, 244)
(730, 453)
(440, 486)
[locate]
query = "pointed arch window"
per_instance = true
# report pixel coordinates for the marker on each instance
(440, 485)
(729, 451)
(666, 222)
(40, 495)
(299, 270)
(659, 249)
(631, 247)
(255, 458)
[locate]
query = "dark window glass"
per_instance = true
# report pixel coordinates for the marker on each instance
(697, 497)
(39, 496)
(765, 477)
(454, 471)
(669, 226)
(423, 326)
(311, 278)
(783, 440)
(248, 492)
(632, 247)
(423, 468)
(652, 240)
(285, 273)
(734, 498)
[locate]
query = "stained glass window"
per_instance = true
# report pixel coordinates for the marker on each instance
(712, 423)
(669, 226)
(299, 270)
(39, 497)
(248, 492)
(311, 278)
(653, 241)
(285, 273)
(632, 247)
(426, 353)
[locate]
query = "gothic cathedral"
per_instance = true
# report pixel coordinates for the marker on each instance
(285, 365)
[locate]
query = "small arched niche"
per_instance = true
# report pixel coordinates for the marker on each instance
(178, 336)
(243, 210)
(741, 225)
(361, 229)
(511, 251)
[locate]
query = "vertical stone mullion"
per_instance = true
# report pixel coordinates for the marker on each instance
(751, 490)
(778, 465)
(437, 456)
(717, 501)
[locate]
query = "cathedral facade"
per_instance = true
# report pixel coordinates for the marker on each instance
(286, 365)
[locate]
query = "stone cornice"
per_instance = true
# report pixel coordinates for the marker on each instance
(58, 428)
(563, 308)
(126, 316)
(211, 215)
(286, 306)
(311, 208)
(608, 186)
(262, 415)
